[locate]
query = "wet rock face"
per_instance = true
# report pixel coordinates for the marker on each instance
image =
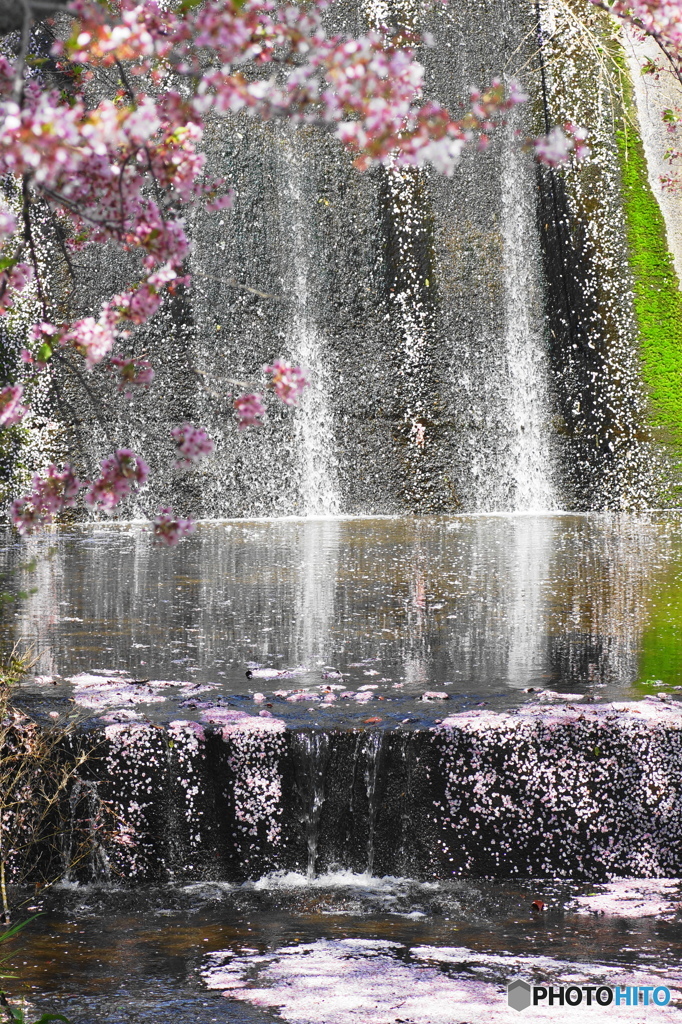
(590, 793)
(388, 287)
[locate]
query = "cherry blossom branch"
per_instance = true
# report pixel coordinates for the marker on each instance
(25, 39)
(660, 21)
(125, 170)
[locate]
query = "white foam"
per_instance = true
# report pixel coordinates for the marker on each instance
(335, 880)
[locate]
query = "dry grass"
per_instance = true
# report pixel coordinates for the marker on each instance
(39, 767)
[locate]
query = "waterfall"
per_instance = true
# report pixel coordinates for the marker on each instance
(83, 838)
(374, 744)
(313, 752)
(314, 426)
(529, 467)
(463, 353)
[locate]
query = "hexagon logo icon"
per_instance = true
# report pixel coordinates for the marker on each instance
(518, 995)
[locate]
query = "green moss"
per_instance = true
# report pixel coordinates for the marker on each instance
(658, 302)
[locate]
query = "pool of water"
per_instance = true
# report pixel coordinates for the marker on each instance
(342, 949)
(480, 608)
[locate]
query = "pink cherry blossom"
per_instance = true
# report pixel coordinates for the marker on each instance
(13, 280)
(119, 473)
(134, 373)
(11, 409)
(661, 19)
(51, 493)
(93, 339)
(25, 517)
(168, 530)
(8, 223)
(55, 491)
(287, 380)
(250, 411)
(193, 443)
(556, 147)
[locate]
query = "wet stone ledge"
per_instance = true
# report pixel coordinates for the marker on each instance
(589, 791)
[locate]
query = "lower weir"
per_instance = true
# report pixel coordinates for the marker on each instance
(572, 792)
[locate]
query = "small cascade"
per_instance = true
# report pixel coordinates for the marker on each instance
(83, 853)
(313, 751)
(373, 747)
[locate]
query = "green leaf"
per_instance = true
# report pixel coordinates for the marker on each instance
(11, 932)
(6, 263)
(44, 352)
(17, 1014)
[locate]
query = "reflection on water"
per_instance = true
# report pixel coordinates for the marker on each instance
(477, 603)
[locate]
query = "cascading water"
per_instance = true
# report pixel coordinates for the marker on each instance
(84, 834)
(314, 427)
(531, 469)
(312, 750)
(373, 746)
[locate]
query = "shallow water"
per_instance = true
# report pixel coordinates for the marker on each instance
(214, 952)
(478, 607)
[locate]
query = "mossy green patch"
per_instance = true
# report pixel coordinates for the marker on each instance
(657, 298)
(660, 661)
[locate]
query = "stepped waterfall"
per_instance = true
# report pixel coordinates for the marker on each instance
(395, 735)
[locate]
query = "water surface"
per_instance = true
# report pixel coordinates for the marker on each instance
(212, 952)
(478, 607)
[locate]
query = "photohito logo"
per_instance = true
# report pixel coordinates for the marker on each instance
(521, 995)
